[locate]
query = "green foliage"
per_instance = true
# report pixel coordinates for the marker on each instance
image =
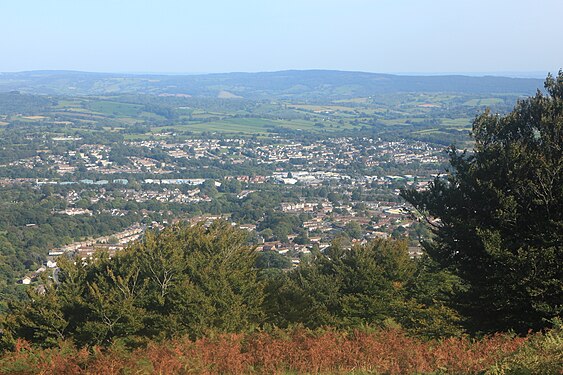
(182, 281)
(377, 284)
(190, 281)
(281, 224)
(29, 229)
(541, 355)
(17, 103)
(501, 216)
(272, 259)
(353, 229)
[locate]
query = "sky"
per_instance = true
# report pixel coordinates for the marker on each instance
(205, 36)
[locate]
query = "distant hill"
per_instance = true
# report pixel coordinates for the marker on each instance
(294, 84)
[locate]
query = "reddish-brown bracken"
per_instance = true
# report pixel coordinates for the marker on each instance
(388, 351)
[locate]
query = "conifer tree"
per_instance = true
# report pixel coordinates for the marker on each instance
(500, 212)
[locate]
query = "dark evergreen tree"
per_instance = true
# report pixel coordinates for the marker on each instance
(498, 216)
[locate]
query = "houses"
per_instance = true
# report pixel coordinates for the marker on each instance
(329, 182)
(75, 211)
(111, 243)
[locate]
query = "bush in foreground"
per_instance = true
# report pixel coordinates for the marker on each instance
(388, 351)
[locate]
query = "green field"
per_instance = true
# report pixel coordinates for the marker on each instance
(427, 115)
(483, 102)
(253, 126)
(463, 122)
(115, 108)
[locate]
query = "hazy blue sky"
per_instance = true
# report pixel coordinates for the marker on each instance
(246, 35)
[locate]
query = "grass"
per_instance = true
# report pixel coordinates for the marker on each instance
(112, 129)
(137, 137)
(400, 121)
(69, 104)
(227, 95)
(483, 102)
(354, 100)
(114, 108)
(391, 110)
(252, 126)
(464, 122)
(224, 126)
(323, 108)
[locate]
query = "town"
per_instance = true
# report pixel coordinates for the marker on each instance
(327, 188)
(77, 173)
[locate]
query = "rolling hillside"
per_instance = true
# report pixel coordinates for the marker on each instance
(307, 84)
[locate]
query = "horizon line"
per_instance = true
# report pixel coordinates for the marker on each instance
(537, 74)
